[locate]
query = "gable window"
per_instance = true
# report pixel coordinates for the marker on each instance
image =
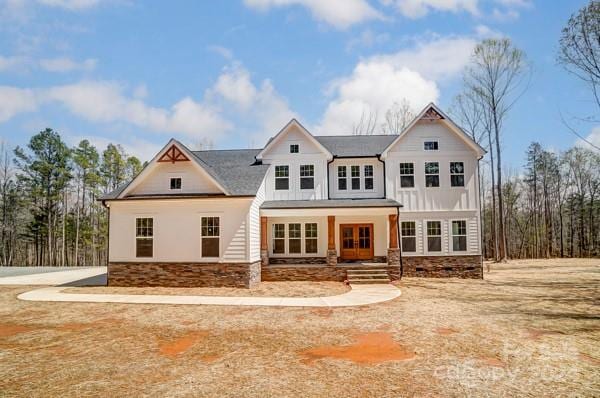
(342, 182)
(432, 174)
(310, 237)
(368, 174)
(144, 236)
(210, 236)
(407, 175)
(294, 238)
(282, 177)
(409, 236)
(355, 177)
(434, 236)
(294, 148)
(307, 176)
(278, 238)
(176, 183)
(457, 174)
(459, 236)
(430, 146)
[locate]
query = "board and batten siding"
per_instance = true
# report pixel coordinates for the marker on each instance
(378, 180)
(177, 229)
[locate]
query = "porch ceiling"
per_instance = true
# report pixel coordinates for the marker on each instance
(329, 207)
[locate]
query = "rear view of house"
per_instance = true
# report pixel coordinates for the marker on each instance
(303, 207)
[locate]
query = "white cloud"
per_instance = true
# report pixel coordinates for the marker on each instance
(64, 64)
(12, 63)
(419, 8)
(484, 32)
(16, 100)
(222, 51)
(140, 148)
(234, 85)
(367, 38)
(338, 13)
(70, 4)
(593, 137)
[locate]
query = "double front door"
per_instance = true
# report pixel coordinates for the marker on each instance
(356, 241)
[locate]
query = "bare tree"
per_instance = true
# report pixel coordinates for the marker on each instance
(366, 124)
(397, 117)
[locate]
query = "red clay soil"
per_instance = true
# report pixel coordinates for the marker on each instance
(491, 361)
(589, 359)
(536, 334)
(11, 329)
(445, 331)
(175, 347)
(369, 349)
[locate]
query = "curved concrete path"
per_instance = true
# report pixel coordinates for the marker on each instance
(359, 295)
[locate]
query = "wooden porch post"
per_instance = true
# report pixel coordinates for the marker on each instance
(264, 248)
(393, 255)
(331, 252)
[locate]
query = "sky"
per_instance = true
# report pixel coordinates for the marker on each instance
(233, 73)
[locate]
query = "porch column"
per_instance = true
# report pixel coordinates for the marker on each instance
(264, 248)
(393, 254)
(331, 252)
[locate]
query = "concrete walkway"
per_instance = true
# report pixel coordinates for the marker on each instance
(359, 295)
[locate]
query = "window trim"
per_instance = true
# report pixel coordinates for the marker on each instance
(365, 177)
(282, 178)
(306, 238)
(180, 183)
(437, 174)
(312, 177)
(345, 178)
(437, 142)
(456, 174)
(273, 238)
(466, 235)
(289, 238)
(352, 178)
(220, 217)
(296, 146)
(143, 237)
(409, 236)
(426, 237)
(413, 175)
(286, 238)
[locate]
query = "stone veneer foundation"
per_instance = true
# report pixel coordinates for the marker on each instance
(184, 274)
(443, 266)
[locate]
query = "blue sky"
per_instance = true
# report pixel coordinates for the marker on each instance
(234, 72)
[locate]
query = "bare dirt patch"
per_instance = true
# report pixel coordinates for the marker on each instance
(9, 329)
(181, 344)
(446, 331)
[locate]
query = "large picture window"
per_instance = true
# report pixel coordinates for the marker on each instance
(459, 236)
(295, 238)
(355, 177)
(144, 237)
(310, 238)
(211, 232)
(434, 236)
(407, 175)
(457, 174)
(342, 178)
(307, 176)
(282, 178)
(408, 232)
(368, 174)
(432, 174)
(278, 238)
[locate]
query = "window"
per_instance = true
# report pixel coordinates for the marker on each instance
(144, 236)
(294, 238)
(430, 146)
(434, 236)
(307, 176)
(342, 182)
(368, 174)
(407, 175)
(432, 174)
(310, 238)
(409, 236)
(457, 174)
(282, 177)
(459, 236)
(210, 236)
(355, 174)
(278, 238)
(294, 148)
(176, 183)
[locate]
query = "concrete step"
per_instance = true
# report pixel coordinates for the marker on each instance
(368, 276)
(366, 271)
(368, 281)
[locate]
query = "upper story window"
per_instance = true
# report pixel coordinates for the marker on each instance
(432, 174)
(434, 236)
(408, 232)
(355, 177)
(368, 174)
(176, 183)
(457, 174)
(210, 236)
(307, 176)
(430, 146)
(342, 181)
(144, 236)
(282, 177)
(459, 236)
(407, 175)
(294, 148)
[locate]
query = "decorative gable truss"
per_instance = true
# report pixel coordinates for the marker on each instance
(173, 154)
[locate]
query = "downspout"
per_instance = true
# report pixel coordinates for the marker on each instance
(107, 241)
(481, 215)
(399, 241)
(328, 182)
(384, 179)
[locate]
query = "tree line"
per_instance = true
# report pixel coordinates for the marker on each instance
(48, 192)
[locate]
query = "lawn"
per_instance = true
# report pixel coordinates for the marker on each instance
(530, 328)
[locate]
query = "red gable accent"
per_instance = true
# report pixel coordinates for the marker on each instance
(431, 115)
(173, 154)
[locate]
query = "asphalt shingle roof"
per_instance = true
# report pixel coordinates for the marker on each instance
(355, 145)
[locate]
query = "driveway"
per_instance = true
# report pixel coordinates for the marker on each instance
(52, 276)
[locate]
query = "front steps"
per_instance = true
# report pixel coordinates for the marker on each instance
(366, 275)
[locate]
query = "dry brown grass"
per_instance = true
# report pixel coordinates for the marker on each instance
(528, 329)
(265, 289)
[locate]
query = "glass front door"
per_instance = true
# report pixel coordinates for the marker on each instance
(356, 241)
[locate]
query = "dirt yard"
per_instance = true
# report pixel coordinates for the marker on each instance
(531, 328)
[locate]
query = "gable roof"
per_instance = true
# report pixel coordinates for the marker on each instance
(284, 130)
(355, 145)
(432, 112)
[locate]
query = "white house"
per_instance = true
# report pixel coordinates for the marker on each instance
(303, 207)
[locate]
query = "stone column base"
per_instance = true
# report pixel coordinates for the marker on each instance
(264, 257)
(393, 257)
(331, 257)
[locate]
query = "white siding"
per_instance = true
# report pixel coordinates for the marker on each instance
(254, 223)
(193, 180)
(378, 180)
